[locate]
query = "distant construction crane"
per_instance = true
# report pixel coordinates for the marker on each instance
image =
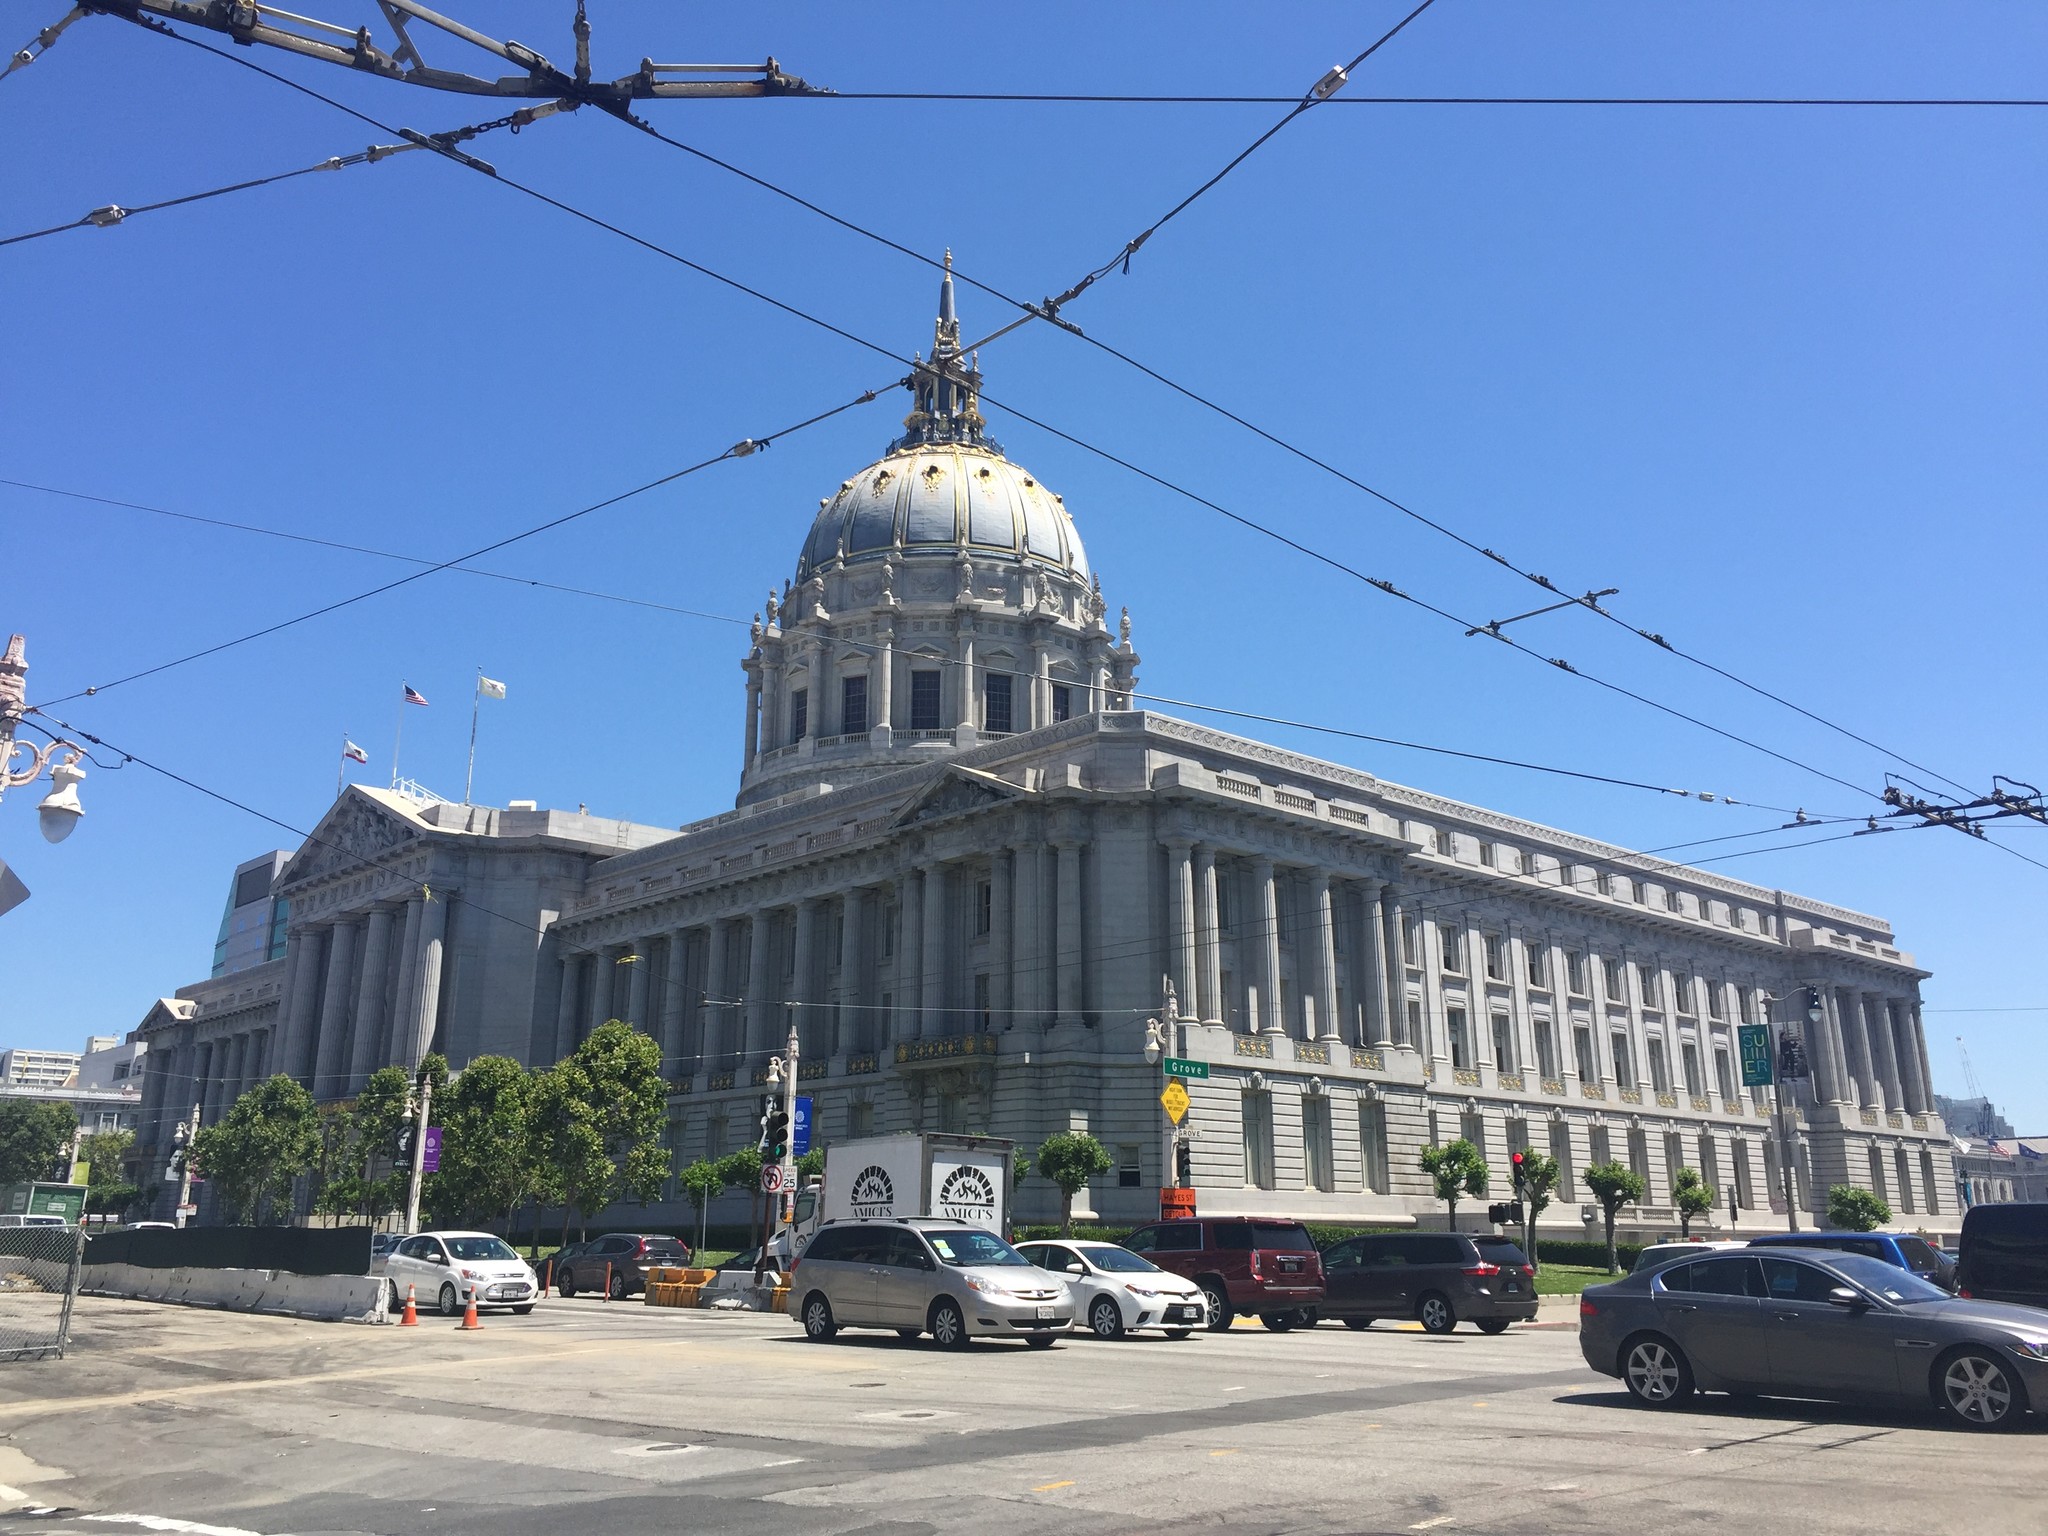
(1986, 1115)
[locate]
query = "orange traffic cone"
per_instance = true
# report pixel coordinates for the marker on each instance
(411, 1319)
(469, 1322)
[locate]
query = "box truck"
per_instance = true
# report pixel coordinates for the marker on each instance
(918, 1173)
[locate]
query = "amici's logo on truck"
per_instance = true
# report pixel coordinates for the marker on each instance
(873, 1193)
(967, 1195)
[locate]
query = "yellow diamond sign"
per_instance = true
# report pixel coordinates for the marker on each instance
(1175, 1098)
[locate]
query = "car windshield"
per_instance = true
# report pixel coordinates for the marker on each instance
(474, 1250)
(1887, 1280)
(961, 1246)
(1118, 1261)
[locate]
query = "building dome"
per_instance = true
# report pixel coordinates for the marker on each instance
(943, 498)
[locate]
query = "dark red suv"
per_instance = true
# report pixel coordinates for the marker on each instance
(1244, 1264)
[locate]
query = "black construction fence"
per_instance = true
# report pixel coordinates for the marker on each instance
(295, 1250)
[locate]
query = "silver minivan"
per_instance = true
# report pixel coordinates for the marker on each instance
(917, 1275)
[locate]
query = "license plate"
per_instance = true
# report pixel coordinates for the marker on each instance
(1045, 1311)
(1187, 1314)
(1290, 1266)
(1512, 1288)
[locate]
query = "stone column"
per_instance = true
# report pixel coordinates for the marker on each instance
(1877, 1024)
(1856, 1034)
(674, 999)
(882, 675)
(231, 1071)
(1264, 937)
(1819, 1044)
(370, 999)
(753, 741)
(811, 1023)
(604, 986)
(433, 936)
(639, 959)
(1069, 997)
(1000, 939)
(717, 987)
(1028, 958)
(1322, 948)
(1917, 1028)
(206, 1088)
(1208, 942)
(574, 967)
(909, 957)
(1180, 923)
(1375, 1028)
(303, 1022)
(761, 1010)
(1841, 1083)
(852, 1032)
(935, 1020)
(331, 1061)
(1393, 918)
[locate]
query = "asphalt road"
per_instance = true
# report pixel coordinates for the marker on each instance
(589, 1419)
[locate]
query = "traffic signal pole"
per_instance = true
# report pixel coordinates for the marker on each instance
(419, 1157)
(778, 1147)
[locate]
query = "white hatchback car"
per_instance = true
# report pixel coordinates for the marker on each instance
(445, 1269)
(1116, 1290)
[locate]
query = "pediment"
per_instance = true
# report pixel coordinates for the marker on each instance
(354, 830)
(955, 790)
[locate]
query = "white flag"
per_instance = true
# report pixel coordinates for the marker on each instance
(489, 687)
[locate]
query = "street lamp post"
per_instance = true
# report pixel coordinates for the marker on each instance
(60, 810)
(1163, 1038)
(1791, 1067)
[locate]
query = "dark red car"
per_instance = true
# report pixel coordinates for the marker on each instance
(1244, 1265)
(617, 1265)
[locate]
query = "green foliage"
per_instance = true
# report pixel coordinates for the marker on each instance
(1455, 1169)
(740, 1170)
(487, 1142)
(598, 1117)
(701, 1182)
(337, 1186)
(1856, 1210)
(1614, 1185)
(107, 1190)
(269, 1137)
(32, 1137)
(1020, 1167)
(1070, 1159)
(1540, 1174)
(812, 1164)
(1577, 1252)
(1692, 1195)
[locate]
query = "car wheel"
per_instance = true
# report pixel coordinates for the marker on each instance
(1178, 1333)
(1493, 1325)
(521, 1311)
(1655, 1371)
(1307, 1317)
(908, 1333)
(1435, 1313)
(1279, 1322)
(617, 1289)
(450, 1303)
(1041, 1340)
(397, 1300)
(949, 1327)
(1978, 1390)
(818, 1324)
(1359, 1324)
(1218, 1301)
(1106, 1318)
(567, 1283)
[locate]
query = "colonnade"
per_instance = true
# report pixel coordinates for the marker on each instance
(362, 992)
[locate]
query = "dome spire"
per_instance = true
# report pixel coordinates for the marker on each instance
(948, 387)
(946, 334)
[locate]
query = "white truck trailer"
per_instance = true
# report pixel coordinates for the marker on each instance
(918, 1173)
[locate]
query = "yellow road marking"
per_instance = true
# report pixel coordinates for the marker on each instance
(1230, 1452)
(1048, 1487)
(1481, 1405)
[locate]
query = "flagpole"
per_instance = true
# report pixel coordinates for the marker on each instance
(476, 699)
(397, 735)
(341, 771)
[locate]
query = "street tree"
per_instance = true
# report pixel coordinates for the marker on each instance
(1856, 1210)
(1540, 1174)
(32, 1137)
(107, 1190)
(267, 1139)
(382, 1106)
(741, 1170)
(701, 1182)
(599, 1116)
(1693, 1196)
(1614, 1185)
(337, 1182)
(1070, 1159)
(1455, 1170)
(487, 1143)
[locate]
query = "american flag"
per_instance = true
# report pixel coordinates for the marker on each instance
(413, 695)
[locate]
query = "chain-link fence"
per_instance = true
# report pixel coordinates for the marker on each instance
(39, 1269)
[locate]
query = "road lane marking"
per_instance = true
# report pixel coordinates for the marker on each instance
(1048, 1487)
(1430, 1525)
(1231, 1452)
(1560, 1487)
(165, 1523)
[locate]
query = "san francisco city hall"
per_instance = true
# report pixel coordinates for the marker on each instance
(967, 867)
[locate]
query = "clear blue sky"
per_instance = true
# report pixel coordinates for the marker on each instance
(1777, 374)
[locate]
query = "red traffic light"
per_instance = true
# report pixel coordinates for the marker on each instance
(1516, 1159)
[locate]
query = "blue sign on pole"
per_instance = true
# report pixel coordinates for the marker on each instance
(800, 1128)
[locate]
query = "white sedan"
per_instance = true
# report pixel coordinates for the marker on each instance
(1116, 1290)
(445, 1269)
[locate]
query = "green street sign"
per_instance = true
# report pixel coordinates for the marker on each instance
(1754, 1041)
(1173, 1066)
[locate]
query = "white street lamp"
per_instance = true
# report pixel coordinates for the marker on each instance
(60, 810)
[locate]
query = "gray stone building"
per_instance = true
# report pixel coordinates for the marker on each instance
(967, 872)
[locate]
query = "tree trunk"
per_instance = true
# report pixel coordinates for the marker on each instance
(1066, 1212)
(1684, 1225)
(1613, 1267)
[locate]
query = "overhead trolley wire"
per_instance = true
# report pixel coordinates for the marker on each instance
(1349, 100)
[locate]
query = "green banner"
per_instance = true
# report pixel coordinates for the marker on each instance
(1754, 1041)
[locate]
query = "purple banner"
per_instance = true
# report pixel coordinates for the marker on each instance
(430, 1161)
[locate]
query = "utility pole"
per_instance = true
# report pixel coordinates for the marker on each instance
(187, 1130)
(419, 1156)
(778, 1116)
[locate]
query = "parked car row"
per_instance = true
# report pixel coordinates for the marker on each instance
(1904, 1250)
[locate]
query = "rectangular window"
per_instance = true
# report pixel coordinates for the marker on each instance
(1062, 702)
(1411, 941)
(1616, 983)
(1503, 1044)
(853, 706)
(860, 1119)
(1582, 1045)
(1546, 1048)
(1689, 1054)
(981, 1000)
(1473, 1129)
(1486, 855)
(1745, 1191)
(891, 916)
(1414, 1023)
(1451, 942)
(1315, 1143)
(1742, 1005)
(1575, 972)
(1258, 1141)
(1496, 958)
(995, 713)
(1660, 1071)
(1602, 1144)
(1724, 1075)
(1446, 843)
(1710, 1168)
(1639, 1157)
(1647, 984)
(1714, 999)
(984, 905)
(1536, 961)
(1130, 1173)
(799, 713)
(1681, 983)
(1461, 1047)
(1561, 1149)
(1372, 1138)
(924, 701)
(1624, 1059)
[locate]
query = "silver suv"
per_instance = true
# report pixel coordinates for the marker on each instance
(917, 1275)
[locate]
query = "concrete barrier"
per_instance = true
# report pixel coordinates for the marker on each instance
(325, 1298)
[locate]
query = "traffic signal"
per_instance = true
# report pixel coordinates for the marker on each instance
(775, 1135)
(1521, 1173)
(1184, 1162)
(1506, 1213)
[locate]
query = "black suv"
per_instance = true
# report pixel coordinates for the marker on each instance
(2003, 1255)
(1434, 1277)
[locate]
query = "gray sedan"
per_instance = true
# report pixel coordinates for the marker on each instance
(1794, 1322)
